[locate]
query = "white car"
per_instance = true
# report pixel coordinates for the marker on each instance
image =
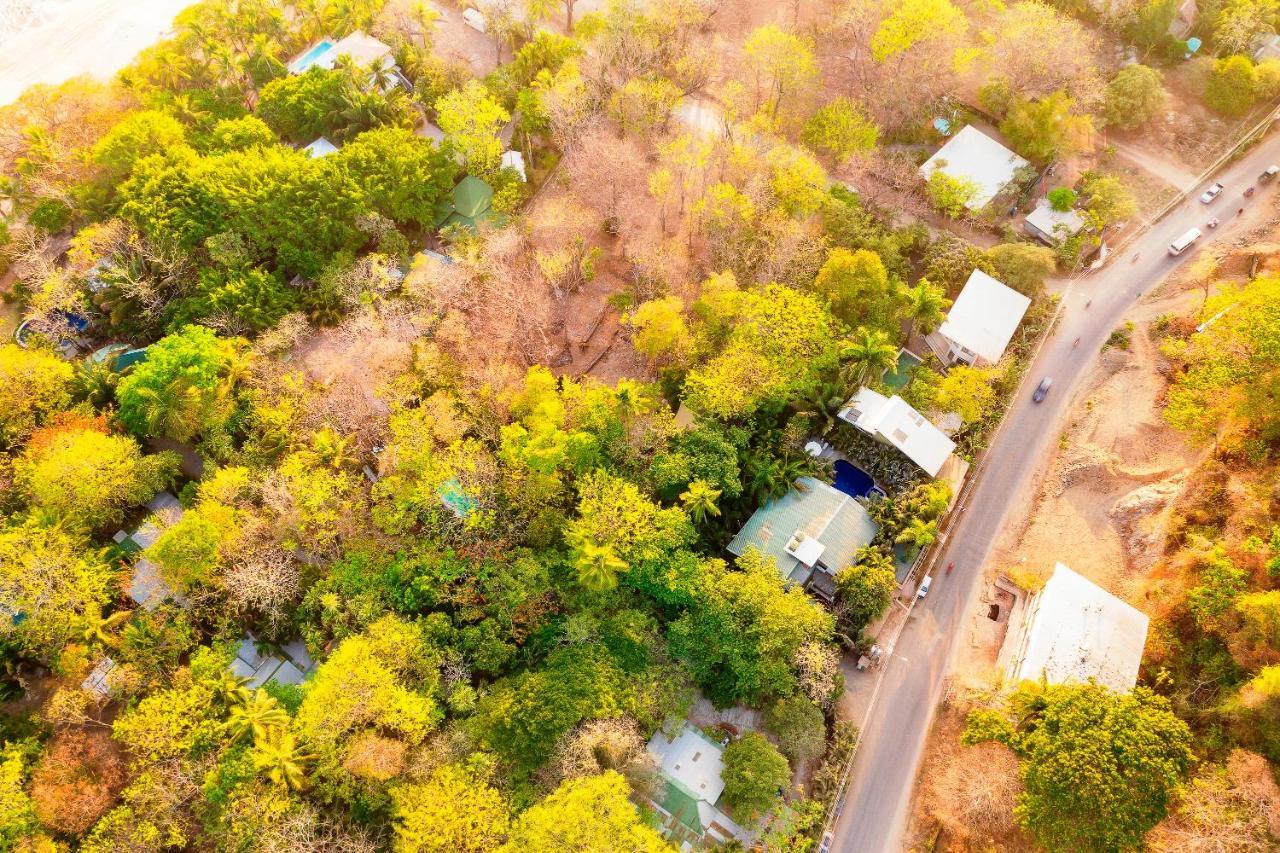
(1211, 193)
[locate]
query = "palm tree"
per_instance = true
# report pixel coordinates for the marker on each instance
(598, 567)
(700, 501)
(259, 717)
(918, 533)
(97, 628)
(233, 689)
(278, 754)
(825, 403)
(926, 307)
(867, 356)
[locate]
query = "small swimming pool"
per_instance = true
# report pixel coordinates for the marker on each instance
(902, 372)
(302, 63)
(852, 480)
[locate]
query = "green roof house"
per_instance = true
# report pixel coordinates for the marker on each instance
(470, 205)
(813, 526)
(690, 764)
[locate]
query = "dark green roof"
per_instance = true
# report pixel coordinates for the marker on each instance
(472, 197)
(682, 805)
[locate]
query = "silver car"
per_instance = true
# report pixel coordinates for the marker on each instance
(1211, 193)
(1042, 390)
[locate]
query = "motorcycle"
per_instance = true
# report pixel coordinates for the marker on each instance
(1249, 192)
(1213, 223)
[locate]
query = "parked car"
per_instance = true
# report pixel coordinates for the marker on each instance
(1211, 193)
(1269, 175)
(924, 586)
(1042, 390)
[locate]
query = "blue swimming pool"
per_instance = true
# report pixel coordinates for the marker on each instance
(302, 63)
(852, 480)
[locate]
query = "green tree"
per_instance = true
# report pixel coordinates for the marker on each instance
(453, 810)
(248, 299)
(86, 479)
(866, 588)
(755, 774)
(699, 501)
(913, 21)
(279, 756)
(660, 331)
(1260, 617)
(1148, 27)
(301, 107)
(598, 566)
(740, 638)
(799, 726)
(1107, 200)
(140, 135)
(918, 534)
(926, 306)
(1061, 199)
(642, 106)
(1134, 97)
(866, 356)
(183, 389)
(34, 384)
(51, 578)
(841, 128)
(1231, 87)
(782, 65)
(590, 813)
(798, 181)
(256, 718)
(1099, 768)
(951, 195)
(967, 391)
(1048, 128)
(860, 290)
(240, 134)
(1221, 582)
(402, 175)
(1022, 266)
(472, 117)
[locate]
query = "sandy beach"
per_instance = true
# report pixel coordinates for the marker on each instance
(56, 40)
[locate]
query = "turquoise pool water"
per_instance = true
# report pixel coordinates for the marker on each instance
(898, 378)
(308, 59)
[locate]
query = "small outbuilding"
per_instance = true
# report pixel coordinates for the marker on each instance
(973, 156)
(1051, 226)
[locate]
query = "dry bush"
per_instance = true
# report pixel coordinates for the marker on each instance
(1227, 808)
(975, 791)
(599, 745)
(371, 756)
(608, 173)
(262, 577)
(77, 780)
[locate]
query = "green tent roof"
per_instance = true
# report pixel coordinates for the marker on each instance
(471, 197)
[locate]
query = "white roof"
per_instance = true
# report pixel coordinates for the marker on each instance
(1057, 224)
(1077, 631)
(892, 420)
(693, 760)
(985, 316)
(320, 148)
(973, 155)
(515, 160)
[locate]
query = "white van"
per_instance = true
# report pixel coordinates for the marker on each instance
(1177, 247)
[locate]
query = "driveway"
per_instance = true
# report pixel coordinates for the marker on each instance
(874, 814)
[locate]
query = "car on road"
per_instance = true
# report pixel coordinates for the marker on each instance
(1042, 390)
(1211, 193)
(924, 586)
(1269, 175)
(825, 846)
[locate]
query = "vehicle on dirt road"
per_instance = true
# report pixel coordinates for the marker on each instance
(1042, 390)
(924, 586)
(1177, 247)
(1211, 193)
(1269, 175)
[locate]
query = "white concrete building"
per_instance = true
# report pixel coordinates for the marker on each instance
(892, 421)
(981, 323)
(1073, 630)
(691, 764)
(973, 156)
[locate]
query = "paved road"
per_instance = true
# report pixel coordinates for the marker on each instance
(874, 815)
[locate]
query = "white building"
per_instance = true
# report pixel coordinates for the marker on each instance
(892, 421)
(320, 148)
(1072, 630)
(973, 156)
(1051, 226)
(691, 764)
(981, 323)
